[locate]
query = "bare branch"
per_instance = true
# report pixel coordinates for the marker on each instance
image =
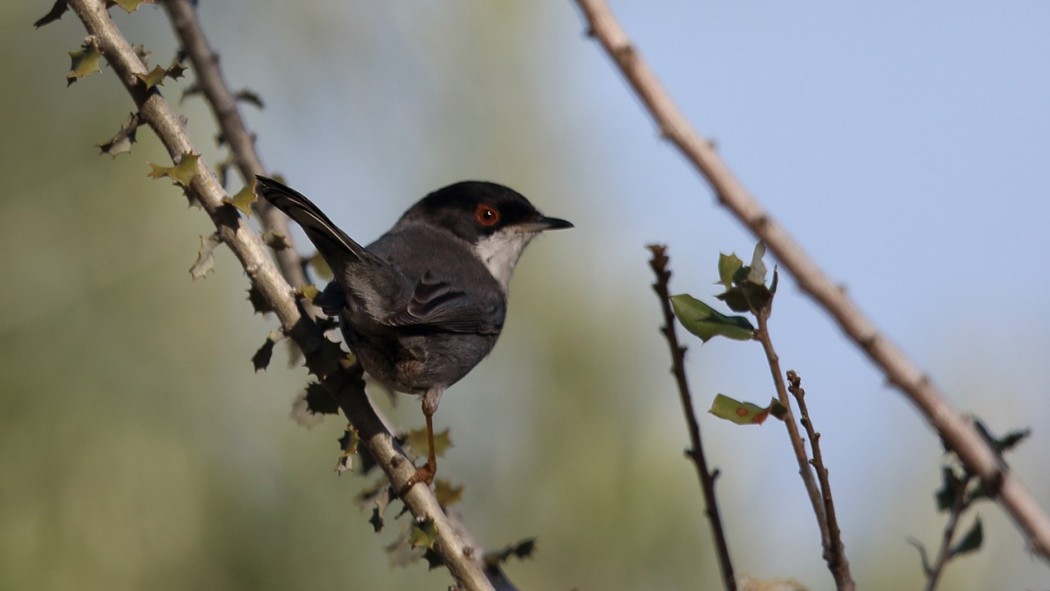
(900, 371)
(658, 262)
(797, 443)
(834, 550)
(460, 556)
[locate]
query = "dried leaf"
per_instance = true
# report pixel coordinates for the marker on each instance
(261, 359)
(250, 97)
(260, 304)
(447, 494)
(521, 550)
(176, 70)
(57, 10)
(275, 240)
(121, 142)
(205, 260)
(417, 440)
(319, 401)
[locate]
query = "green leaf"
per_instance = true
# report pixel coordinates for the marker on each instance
(153, 78)
(736, 299)
(84, 62)
(205, 256)
(130, 6)
(971, 541)
(57, 10)
(242, 200)
(309, 292)
(121, 142)
(777, 410)
(424, 534)
(320, 266)
(347, 448)
(706, 322)
(741, 413)
(728, 265)
(183, 173)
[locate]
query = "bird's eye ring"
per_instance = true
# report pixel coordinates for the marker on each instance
(486, 215)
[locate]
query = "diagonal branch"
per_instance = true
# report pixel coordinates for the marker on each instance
(460, 556)
(956, 431)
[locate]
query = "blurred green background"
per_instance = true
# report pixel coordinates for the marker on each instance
(138, 449)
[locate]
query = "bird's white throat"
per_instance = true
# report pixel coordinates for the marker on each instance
(500, 252)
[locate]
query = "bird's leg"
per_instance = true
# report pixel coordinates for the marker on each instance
(426, 474)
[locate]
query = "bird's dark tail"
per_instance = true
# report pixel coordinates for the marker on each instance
(331, 242)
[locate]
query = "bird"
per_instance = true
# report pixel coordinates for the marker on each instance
(423, 304)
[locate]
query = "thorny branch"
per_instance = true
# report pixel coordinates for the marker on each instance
(460, 555)
(900, 371)
(658, 262)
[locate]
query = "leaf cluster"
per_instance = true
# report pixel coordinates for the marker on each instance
(745, 291)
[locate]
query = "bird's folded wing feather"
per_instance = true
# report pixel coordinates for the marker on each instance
(436, 305)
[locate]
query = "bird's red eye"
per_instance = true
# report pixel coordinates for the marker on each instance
(486, 215)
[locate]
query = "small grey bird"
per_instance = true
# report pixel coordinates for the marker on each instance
(425, 303)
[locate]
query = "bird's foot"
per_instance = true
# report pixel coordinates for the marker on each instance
(424, 474)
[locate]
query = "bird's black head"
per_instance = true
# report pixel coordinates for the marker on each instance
(474, 210)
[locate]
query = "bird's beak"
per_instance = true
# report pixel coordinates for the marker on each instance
(546, 223)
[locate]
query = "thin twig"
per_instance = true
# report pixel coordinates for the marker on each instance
(658, 262)
(834, 550)
(461, 558)
(798, 445)
(900, 371)
(934, 571)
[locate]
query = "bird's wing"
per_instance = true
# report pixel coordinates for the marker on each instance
(436, 305)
